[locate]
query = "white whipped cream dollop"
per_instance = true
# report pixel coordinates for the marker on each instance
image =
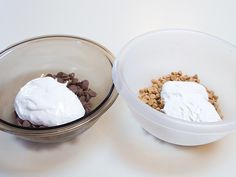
(44, 101)
(188, 101)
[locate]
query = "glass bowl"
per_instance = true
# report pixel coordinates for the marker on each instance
(158, 53)
(51, 54)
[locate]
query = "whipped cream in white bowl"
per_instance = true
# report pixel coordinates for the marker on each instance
(188, 101)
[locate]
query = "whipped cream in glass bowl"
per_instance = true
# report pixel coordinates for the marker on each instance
(29, 59)
(44, 101)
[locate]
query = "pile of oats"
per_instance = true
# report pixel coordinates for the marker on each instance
(151, 95)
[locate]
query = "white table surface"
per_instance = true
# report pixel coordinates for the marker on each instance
(116, 145)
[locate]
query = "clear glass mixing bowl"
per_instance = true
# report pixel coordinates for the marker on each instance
(50, 54)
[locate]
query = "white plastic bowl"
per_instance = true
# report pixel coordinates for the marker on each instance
(158, 53)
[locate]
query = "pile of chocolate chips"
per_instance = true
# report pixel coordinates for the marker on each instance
(26, 123)
(80, 88)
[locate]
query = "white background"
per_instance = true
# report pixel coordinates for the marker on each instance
(116, 145)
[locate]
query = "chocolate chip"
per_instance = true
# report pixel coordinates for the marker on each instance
(73, 88)
(60, 80)
(26, 123)
(66, 78)
(60, 74)
(75, 81)
(92, 93)
(82, 98)
(18, 123)
(80, 92)
(64, 74)
(87, 97)
(84, 84)
(19, 120)
(87, 107)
